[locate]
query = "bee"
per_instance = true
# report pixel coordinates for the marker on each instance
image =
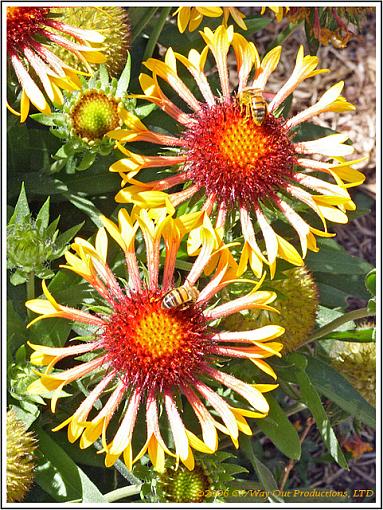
(252, 101)
(180, 297)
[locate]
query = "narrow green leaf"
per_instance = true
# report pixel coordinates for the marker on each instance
(104, 77)
(59, 476)
(277, 427)
(42, 218)
(336, 388)
(312, 400)
(357, 335)
(66, 237)
(22, 207)
(264, 474)
(124, 80)
(85, 206)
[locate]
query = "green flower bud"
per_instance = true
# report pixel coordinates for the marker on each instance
(184, 486)
(27, 247)
(20, 461)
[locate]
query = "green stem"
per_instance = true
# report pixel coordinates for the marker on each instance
(290, 29)
(141, 24)
(123, 492)
(156, 32)
(121, 468)
(30, 290)
(333, 325)
(31, 286)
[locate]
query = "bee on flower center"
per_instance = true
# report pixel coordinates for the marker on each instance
(180, 297)
(251, 101)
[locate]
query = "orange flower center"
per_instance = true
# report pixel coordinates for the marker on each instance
(232, 157)
(160, 334)
(150, 345)
(242, 144)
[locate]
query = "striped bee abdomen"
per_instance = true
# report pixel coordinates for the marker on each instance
(179, 297)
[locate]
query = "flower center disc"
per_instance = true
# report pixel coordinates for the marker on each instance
(151, 345)
(94, 115)
(233, 158)
(22, 22)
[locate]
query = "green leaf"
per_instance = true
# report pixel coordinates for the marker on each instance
(334, 259)
(255, 24)
(85, 206)
(336, 388)
(59, 476)
(327, 315)
(277, 427)
(104, 77)
(42, 218)
(86, 162)
(124, 80)
(312, 400)
(357, 335)
(64, 238)
(21, 209)
(50, 120)
(264, 474)
(16, 329)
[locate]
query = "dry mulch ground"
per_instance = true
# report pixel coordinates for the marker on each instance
(356, 65)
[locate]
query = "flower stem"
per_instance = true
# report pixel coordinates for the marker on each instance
(290, 29)
(333, 325)
(156, 32)
(123, 492)
(121, 468)
(30, 290)
(31, 286)
(143, 21)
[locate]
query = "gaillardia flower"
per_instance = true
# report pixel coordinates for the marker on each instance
(144, 354)
(29, 29)
(236, 160)
(191, 17)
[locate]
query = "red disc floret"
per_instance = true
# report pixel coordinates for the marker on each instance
(233, 158)
(155, 347)
(22, 24)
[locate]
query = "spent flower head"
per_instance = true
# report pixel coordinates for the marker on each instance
(110, 21)
(148, 351)
(20, 461)
(357, 363)
(41, 74)
(241, 163)
(295, 308)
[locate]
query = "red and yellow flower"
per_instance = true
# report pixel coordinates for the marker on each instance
(258, 169)
(143, 355)
(29, 29)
